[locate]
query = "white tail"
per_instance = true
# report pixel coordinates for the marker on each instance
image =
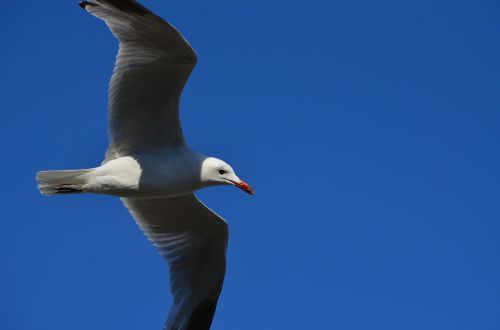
(61, 182)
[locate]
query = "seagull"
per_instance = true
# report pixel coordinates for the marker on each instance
(149, 165)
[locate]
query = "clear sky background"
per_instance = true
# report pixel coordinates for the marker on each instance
(369, 129)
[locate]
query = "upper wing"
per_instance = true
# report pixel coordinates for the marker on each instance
(193, 240)
(153, 64)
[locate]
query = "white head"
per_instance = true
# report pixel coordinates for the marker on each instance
(217, 172)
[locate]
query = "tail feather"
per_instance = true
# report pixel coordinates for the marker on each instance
(61, 182)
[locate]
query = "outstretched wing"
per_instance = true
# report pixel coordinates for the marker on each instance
(193, 241)
(153, 64)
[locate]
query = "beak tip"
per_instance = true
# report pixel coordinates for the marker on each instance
(245, 187)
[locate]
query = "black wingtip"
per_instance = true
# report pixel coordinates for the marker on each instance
(84, 4)
(202, 315)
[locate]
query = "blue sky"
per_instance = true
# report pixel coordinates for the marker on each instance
(370, 131)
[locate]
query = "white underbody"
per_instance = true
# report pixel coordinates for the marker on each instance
(164, 173)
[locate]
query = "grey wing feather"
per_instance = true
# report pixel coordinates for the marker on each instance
(193, 240)
(153, 64)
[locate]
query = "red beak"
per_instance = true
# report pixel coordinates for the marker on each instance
(245, 187)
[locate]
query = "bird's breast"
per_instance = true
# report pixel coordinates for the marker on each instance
(147, 176)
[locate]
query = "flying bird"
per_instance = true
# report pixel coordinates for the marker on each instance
(149, 165)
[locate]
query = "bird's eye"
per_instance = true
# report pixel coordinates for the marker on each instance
(221, 172)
